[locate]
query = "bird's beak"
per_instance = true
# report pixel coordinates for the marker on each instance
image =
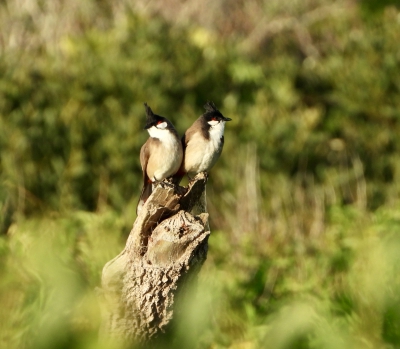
(147, 126)
(227, 119)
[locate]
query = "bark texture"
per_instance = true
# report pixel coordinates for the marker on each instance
(166, 246)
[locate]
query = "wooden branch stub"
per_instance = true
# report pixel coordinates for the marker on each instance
(174, 240)
(194, 193)
(167, 244)
(163, 201)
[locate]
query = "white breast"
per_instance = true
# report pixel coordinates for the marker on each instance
(161, 133)
(201, 154)
(217, 131)
(169, 154)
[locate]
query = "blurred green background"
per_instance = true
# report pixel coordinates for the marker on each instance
(304, 202)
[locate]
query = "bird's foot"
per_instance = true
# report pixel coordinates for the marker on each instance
(204, 173)
(165, 183)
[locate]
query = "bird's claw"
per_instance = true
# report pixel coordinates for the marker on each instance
(165, 183)
(205, 173)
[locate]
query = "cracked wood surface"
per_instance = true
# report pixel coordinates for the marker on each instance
(166, 246)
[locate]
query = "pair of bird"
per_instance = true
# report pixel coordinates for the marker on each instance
(165, 155)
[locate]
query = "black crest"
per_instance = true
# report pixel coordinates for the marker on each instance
(151, 118)
(210, 107)
(212, 112)
(149, 113)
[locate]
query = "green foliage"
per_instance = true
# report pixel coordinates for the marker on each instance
(268, 296)
(72, 117)
(50, 271)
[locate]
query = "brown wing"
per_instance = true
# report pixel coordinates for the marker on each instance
(147, 186)
(196, 127)
(144, 159)
(185, 139)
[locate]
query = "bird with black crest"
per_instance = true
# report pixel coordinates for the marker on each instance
(161, 156)
(203, 142)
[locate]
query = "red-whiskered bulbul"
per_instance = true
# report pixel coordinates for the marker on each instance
(161, 156)
(203, 141)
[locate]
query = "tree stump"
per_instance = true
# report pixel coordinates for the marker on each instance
(165, 249)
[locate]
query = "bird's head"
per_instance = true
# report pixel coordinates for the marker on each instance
(212, 115)
(154, 120)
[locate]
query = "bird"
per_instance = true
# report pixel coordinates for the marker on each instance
(203, 142)
(161, 156)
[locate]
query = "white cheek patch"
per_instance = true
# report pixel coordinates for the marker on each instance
(153, 131)
(213, 122)
(160, 133)
(162, 126)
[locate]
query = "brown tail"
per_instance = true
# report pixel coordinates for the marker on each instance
(144, 195)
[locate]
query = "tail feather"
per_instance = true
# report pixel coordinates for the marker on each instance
(144, 195)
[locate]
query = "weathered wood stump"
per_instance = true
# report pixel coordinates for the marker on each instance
(165, 249)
